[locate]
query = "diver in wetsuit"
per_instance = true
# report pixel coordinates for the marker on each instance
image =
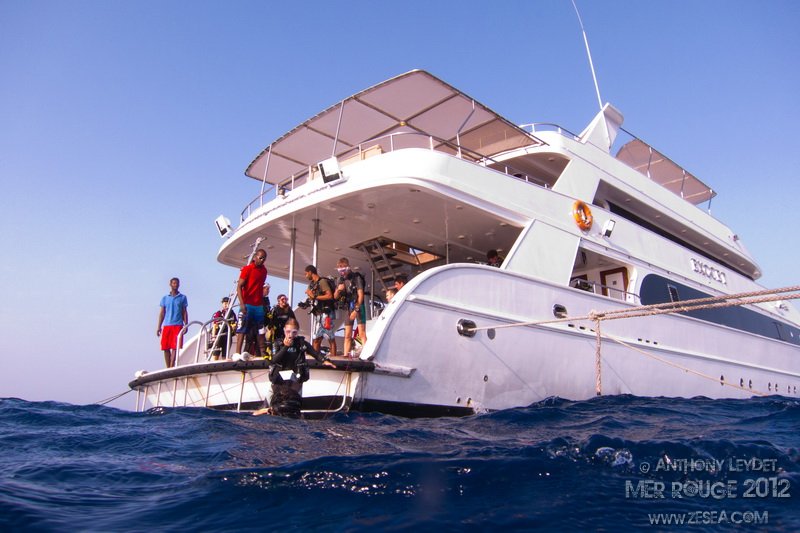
(287, 393)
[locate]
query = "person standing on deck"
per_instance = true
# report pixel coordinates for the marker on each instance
(223, 323)
(350, 290)
(400, 281)
(171, 319)
(249, 289)
(320, 293)
(493, 258)
(280, 314)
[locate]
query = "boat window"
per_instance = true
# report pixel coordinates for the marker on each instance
(741, 318)
(673, 293)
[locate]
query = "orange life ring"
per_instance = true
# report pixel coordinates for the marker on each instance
(582, 215)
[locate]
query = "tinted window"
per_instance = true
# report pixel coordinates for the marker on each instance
(657, 289)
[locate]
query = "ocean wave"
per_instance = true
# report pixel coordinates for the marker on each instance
(556, 464)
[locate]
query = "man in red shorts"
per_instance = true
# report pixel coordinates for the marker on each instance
(250, 291)
(171, 319)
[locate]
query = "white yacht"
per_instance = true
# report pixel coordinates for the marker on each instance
(412, 176)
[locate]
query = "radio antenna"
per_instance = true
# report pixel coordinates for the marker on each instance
(589, 53)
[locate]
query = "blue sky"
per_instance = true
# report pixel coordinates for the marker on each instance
(125, 128)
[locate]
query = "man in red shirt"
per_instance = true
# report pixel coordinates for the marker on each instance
(250, 292)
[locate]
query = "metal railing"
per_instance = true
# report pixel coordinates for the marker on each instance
(202, 340)
(604, 290)
(433, 143)
(547, 126)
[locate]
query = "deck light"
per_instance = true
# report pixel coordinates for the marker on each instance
(608, 227)
(330, 170)
(223, 225)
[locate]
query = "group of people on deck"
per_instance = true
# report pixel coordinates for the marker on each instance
(287, 350)
(326, 298)
(256, 318)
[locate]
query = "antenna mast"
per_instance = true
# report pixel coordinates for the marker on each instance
(589, 53)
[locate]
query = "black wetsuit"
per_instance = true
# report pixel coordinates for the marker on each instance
(287, 393)
(279, 318)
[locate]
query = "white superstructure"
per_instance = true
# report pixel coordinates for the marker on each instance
(412, 176)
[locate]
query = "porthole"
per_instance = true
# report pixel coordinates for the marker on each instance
(466, 328)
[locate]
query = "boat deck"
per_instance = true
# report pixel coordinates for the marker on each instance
(213, 367)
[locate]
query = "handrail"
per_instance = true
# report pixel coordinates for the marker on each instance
(183, 331)
(204, 332)
(547, 125)
(227, 332)
(434, 143)
(592, 286)
(260, 199)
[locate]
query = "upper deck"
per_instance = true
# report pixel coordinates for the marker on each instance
(414, 109)
(417, 110)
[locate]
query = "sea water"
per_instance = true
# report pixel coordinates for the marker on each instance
(607, 464)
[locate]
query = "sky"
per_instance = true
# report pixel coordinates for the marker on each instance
(125, 129)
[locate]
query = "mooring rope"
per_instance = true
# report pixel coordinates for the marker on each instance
(681, 367)
(112, 398)
(712, 302)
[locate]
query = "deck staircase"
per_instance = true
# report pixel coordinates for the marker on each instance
(382, 260)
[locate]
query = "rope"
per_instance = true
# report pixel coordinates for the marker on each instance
(712, 302)
(329, 411)
(112, 398)
(597, 362)
(664, 308)
(681, 367)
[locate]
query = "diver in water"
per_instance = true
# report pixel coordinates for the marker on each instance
(287, 390)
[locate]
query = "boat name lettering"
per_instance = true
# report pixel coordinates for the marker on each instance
(709, 271)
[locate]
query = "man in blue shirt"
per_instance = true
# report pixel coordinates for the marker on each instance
(171, 319)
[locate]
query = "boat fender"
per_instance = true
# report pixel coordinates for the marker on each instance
(582, 215)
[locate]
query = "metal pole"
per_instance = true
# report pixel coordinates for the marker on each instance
(315, 262)
(458, 132)
(589, 54)
(315, 245)
(598, 377)
(241, 392)
(292, 244)
(338, 125)
(264, 181)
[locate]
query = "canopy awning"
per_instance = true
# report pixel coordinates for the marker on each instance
(664, 171)
(426, 110)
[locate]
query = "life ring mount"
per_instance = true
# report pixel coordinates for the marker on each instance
(582, 215)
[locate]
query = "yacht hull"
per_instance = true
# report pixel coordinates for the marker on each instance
(417, 363)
